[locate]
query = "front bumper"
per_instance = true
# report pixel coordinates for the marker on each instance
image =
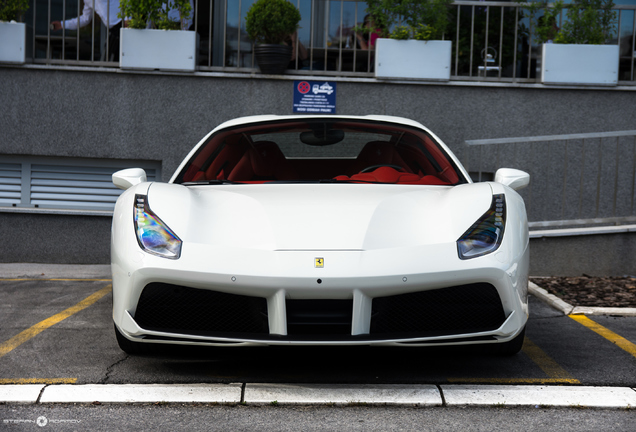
(350, 301)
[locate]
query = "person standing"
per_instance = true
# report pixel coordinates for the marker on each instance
(366, 40)
(107, 10)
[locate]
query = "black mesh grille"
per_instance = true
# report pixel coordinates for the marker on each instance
(319, 317)
(461, 309)
(178, 309)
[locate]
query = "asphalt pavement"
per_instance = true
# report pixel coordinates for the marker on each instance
(323, 394)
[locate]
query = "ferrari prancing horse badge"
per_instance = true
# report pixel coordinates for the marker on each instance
(319, 262)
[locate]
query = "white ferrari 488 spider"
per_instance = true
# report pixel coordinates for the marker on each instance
(320, 230)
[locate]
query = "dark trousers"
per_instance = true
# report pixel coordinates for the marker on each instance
(113, 43)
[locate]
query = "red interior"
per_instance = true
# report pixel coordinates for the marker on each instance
(410, 158)
(393, 176)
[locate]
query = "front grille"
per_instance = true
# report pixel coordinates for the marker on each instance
(190, 311)
(177, 309)
(461, 309)
(319, 317)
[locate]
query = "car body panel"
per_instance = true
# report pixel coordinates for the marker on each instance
(371, 241)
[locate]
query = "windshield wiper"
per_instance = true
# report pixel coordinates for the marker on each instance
(327, 180)
(209, 182)
(304, 181)
(350, 181)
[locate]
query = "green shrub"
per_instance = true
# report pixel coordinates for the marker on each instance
(271, 21)
(140, 12)
(424, 19)
(12, 9)
(588, 21)
(424, 32)
(400, 33)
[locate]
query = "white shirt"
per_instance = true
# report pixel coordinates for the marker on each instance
(106, 9)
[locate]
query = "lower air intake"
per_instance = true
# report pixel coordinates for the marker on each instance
(177, 309)
(461, 309)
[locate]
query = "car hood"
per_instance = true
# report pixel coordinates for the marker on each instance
(319, 216)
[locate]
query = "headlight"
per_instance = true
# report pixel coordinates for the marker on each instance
(485, 235)
(153, 235)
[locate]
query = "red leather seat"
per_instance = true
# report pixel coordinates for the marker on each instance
(392, 176)
(377, 153)
(262, 161)
(223, 163)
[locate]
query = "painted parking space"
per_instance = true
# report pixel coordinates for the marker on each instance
(50, 330)
(586, 355)
(554, 373)
(605, 332)
(60, 332)
(25, 302)
(36, 329)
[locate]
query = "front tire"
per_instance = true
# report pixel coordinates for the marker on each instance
(512, 347)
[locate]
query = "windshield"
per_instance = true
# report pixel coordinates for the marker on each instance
(321, 150)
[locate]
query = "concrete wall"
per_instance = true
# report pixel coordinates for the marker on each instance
(55, 239)
(573, 177)
(112, 114)
(593, 255)
(160, 117)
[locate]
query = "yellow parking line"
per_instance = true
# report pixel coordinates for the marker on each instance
(515, 380)
(556, 374)
(546, 363)
(27, 334)
(38, 380)
(606, 333)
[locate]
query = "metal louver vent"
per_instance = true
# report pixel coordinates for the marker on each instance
(10, 183)
(64, 184)
(78, 187)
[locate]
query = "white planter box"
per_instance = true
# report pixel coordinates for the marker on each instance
(171, 50)
(12, 42)
(413, 59)
(579, 64)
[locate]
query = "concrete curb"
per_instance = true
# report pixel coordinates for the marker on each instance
(142, 393)
(343, 394)
(20, 393)
(556, 396)
(54, 271)
(327, 395)
(569, 309)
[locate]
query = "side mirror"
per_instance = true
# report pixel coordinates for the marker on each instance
(128, 178)
(513, 178)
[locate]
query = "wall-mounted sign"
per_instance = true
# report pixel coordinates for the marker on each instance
(314, 97)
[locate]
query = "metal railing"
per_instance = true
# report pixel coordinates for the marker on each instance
(576, 179)
(492, 41)
(503, 30)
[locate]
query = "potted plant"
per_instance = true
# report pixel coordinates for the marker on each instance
(414, 47)
(167, 46)
(269, 23)
(12, 33)
(573, 50)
